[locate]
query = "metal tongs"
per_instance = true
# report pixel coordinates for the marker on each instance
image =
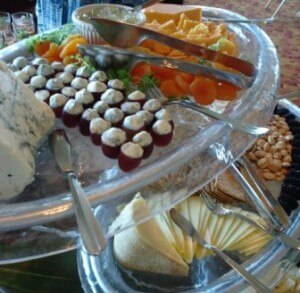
(110, 56)
(123, 35)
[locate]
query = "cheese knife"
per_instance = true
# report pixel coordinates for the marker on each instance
(92, 237)
(189, 229)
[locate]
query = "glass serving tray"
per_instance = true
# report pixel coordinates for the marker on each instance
(200, 150)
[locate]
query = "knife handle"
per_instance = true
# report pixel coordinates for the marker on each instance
(92, 237)
(254, 282)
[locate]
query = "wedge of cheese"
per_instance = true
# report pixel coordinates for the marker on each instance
(23, 122)
(146, 248)
(165, 12)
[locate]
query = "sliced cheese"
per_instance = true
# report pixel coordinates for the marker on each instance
(24, 121)
(165, 12)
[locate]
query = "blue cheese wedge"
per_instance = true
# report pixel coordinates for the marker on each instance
(23, 122)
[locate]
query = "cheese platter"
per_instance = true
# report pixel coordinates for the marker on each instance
(169, 175)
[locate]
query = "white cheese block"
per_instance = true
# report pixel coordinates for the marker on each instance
(145, 247)
(23, 122)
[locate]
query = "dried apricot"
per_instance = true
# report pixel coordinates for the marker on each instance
(204, 91)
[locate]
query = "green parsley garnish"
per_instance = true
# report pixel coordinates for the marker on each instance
(86, 61)
(147, 81)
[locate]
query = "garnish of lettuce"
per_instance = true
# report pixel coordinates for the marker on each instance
(56, 36)
(218, 45)
(86, 61)
(123, 75)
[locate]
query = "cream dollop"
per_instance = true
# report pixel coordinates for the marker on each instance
(162, 127)
(146, 116)
(116, 84)
(99, 125)
(136, 96)
(132, 150)
(113, 137)
(65, 77)
(152, 105)
(30, 70)
(98, 76)
(131, 107)
(113, 115)
(96, 87)
(90, 114)
(112, 96)
(38, 81)
(70, 68)
(57, 100)
(133, 122)
(73, 108)
(79, 83)
(101, 107)
(68, 91)
(143, 138)
(84, 97)
(42, 95)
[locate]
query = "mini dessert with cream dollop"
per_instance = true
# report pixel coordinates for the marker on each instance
(57, 66)
(98, 76)
(137, 96)
(54, 86)
(42, 95)
(45, 70)
(29, 70)
(114, 116)
(147, 117)
(38, 82)
(69, 92)
(22, 75)
(111, 141)
(72, 112)
(162, 133)
(83, 71)
(57, 103)
(130, 156)
(132, 125)
(112, 97)
(116, 84)
(84, 124)
(20, 62)
(97, 88)
(79, 83)
(71, 68)
(130, 108)
(145, 141)
(101, 107)
(152, 105)
(39, 61)
(65, 77)
(97, 127)
(164, 114)
(85, 98)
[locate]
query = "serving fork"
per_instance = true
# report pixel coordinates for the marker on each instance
(244, 127)
(189, 229)
(218, 209)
